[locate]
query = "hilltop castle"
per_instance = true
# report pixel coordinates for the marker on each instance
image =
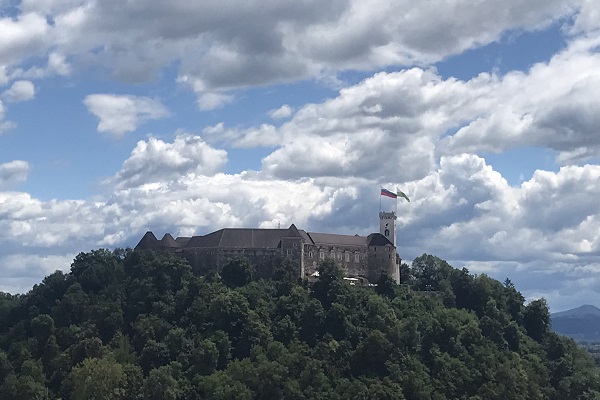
(360, 257)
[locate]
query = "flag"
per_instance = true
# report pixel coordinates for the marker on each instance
(400, 193)
(385, 192)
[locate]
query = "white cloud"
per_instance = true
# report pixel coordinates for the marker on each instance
(22, 37)
(19, 91)
(56, 64)
(282, 112)
(13, 172)
(276, 43)
(156, 161)
(264, 135)
(553, 105)
(213, 100)
(19, 272)
(3, 75)
(588, 19)
(386, 126)
(119, 114)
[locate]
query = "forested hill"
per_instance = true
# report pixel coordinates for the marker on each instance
(125, 325)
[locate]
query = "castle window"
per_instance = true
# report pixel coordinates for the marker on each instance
(387, 232)
(356, 257)
(347, 257)
(321, 255)
(310, 254)
(288, 252)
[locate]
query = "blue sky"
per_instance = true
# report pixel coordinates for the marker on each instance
(186, 117)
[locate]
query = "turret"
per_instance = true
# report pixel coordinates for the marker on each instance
(387, 225)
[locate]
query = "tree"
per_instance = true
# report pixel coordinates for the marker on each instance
(386, 286)
(97, 379)
(429, 271)
(161, 384)
(537, 319)
(238, 272)
(330, 283)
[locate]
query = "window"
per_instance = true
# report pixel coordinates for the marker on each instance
(310, 254)
(288, 252)
(347, 257)
(356, 257)
(321, 255)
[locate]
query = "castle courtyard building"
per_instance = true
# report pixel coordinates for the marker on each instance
(363, 257)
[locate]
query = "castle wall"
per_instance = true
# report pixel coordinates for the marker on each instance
(383, 259)
(352, 260)
(205, 260)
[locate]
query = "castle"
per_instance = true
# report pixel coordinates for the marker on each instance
(359, 257)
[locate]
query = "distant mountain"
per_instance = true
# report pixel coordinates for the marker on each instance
(581, 323)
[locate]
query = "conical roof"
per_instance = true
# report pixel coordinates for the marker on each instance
(148, 242)
(168, 241)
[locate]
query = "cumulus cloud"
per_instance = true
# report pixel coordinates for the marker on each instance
(13, 172)
(19, 91)
(553, 105)
(388, 125)
(264, 135)
(22, 37)
(120, 114)
(218, 52)
(398, 124)
(155, 161)
(282, 112)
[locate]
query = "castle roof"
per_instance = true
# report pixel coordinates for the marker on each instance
(244, 238)
(168, 241)
(241, 238)
(148, 242)
(182, 240)
(377, 239)
(341, 240)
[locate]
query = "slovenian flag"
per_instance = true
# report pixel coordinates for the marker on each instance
(385, 192)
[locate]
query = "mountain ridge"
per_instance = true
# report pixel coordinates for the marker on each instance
(581, 323)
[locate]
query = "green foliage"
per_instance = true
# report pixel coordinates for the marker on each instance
(237, 272)
(127, 325)
(97, 379)
(537, 319)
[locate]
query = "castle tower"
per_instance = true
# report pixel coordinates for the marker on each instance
(387, 225)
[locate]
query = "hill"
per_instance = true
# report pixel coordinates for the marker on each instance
(130, 325)
(581, 323)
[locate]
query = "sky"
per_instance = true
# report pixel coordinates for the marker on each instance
(187, 117)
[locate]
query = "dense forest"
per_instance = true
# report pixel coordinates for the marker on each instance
(128, 325)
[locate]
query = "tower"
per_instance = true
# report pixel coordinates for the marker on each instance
(387, 225)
